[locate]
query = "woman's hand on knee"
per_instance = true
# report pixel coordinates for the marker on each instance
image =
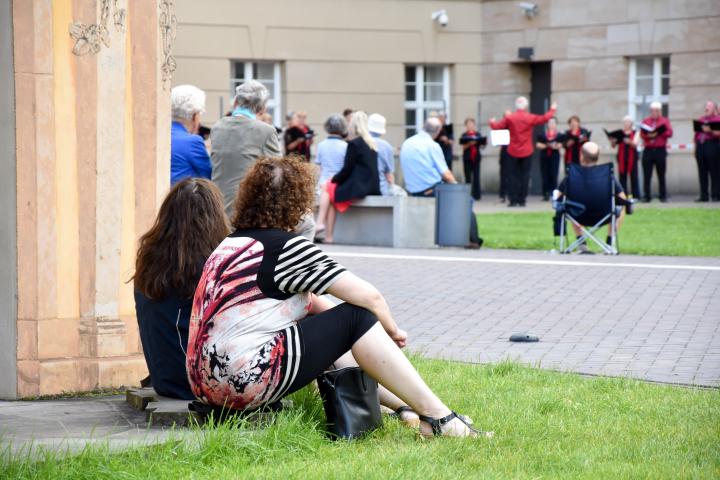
(400, 338)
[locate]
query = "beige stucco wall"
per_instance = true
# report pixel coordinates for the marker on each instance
(92, 133)
(345, 53)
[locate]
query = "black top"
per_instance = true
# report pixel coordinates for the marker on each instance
(290, 264)
(164, 336)
(359, 175)
(550, 152)
(472, 153)
(446, 131)
(292, 134)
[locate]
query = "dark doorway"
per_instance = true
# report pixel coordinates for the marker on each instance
(540, 84)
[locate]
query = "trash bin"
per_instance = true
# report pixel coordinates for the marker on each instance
(453, 205)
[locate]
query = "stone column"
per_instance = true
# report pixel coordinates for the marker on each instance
(8, 202)
(92, 139)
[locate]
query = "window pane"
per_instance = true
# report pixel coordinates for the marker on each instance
(410, 92)
(263, 71)
(410, 117)
(434, 74)
(409, 132)
(644, 67)
(433, 93)
(644, 86)
(665, 87)
(666, 66)
(665, 110)
(239, 70)
(643, 110)
(271, 88)
(409, 73)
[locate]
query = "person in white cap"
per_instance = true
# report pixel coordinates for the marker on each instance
(386, 161)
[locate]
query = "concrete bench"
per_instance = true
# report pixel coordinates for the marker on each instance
(388, 221)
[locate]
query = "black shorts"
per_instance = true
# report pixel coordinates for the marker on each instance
(327, 336)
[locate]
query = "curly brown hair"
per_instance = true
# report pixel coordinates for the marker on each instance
(191, 223)
(275, 193)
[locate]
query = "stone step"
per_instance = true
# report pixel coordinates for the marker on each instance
(164, 411)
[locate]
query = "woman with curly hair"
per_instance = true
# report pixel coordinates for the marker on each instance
(260, 329)
(170, 259)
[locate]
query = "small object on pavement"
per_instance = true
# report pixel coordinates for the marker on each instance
(524, 337)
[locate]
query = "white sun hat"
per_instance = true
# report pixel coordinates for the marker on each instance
(376, 124)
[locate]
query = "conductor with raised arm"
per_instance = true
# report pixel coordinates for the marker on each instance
(655, 131)
(521, 147)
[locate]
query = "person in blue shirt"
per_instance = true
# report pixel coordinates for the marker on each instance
(423, 162)
(386, 158)
(188, 155)
(424, 168)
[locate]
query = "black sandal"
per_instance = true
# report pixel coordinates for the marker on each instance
(437, 423)
(400, 410)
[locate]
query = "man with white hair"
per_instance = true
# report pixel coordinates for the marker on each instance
(521, 147)
(424, 168)
(240, 139)
(188, 156)
(655, 131)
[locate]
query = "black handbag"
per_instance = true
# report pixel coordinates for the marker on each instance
(351, 402)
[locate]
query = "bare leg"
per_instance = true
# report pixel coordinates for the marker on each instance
(330, 225)
(378, 355)
(576, 229)
(323, 210)
(380, 358)
(387, 398)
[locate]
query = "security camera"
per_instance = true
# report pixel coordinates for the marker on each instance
(529, 9)
(440, 17)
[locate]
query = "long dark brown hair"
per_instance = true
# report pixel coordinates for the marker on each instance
(190, 225)
(275, 193)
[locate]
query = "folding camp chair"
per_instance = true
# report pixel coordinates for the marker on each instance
(589, 203)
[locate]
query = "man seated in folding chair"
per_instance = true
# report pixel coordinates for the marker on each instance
(589, 197)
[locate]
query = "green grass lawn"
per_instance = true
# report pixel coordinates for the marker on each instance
(648, 231)
(547, 424)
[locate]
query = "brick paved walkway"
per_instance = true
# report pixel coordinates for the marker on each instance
(654, 318)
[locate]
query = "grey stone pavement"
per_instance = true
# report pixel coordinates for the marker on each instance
(651, 318)
(68, 425)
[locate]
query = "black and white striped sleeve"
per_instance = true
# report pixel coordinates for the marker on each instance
(303, 268)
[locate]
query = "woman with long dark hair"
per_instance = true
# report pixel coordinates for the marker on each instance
(170, 259)
(260, 328)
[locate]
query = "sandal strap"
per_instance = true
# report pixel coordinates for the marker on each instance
(437, 423)
(404, 408)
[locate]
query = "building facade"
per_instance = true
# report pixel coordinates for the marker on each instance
(600, 60)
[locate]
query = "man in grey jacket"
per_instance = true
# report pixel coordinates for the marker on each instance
(240, 139)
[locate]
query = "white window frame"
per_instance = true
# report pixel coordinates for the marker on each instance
(635, 100)
(275, 102)
(420, 104)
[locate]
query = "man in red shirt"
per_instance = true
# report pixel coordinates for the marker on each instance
(655, 131)
(521, 148)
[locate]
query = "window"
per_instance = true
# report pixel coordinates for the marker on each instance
(649, 82)
(267, 73)
(427, 89)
